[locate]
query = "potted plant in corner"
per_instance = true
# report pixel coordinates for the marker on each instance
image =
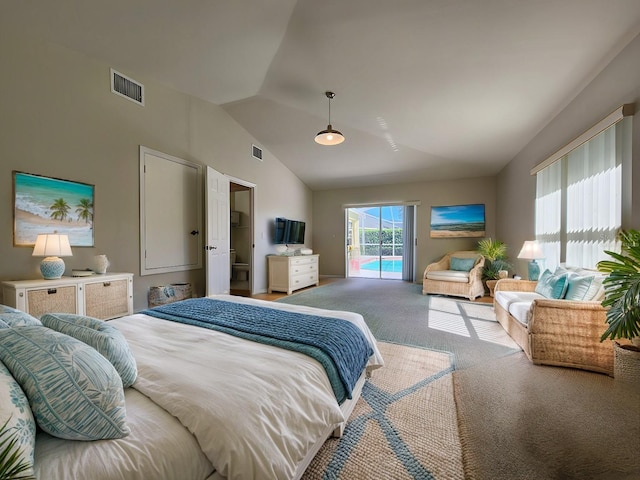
(495, 261)
(622, 300)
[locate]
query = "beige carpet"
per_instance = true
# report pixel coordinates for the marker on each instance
(523, 421)
(403, 427)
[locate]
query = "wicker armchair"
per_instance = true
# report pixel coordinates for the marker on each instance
(439, 279)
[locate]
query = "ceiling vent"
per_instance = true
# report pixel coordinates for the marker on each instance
(127, 88)
(256, 152)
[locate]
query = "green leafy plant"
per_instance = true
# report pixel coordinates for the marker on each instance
(495, 258)
(11, 465)
(622, 288)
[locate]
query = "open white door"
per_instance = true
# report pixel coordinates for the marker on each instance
(217, 232)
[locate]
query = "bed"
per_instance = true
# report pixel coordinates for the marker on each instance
(207, 405)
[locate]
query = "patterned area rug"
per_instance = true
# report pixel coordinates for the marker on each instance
(403, 427)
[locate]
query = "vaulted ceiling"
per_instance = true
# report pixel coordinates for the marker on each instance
(425, 89)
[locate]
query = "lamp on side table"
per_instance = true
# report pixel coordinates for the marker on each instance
(531, 251)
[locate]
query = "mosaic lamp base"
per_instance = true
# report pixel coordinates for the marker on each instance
(52, 268)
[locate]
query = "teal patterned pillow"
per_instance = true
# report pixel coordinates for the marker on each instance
(15, 410)
(74, 392)
(462, 264)
(17, 318)
(106, 339)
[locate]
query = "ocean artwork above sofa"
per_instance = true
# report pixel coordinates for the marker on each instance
(51, 205)
(458, 221)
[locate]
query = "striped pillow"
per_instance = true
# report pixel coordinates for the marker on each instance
(74, 392)
(106, 339)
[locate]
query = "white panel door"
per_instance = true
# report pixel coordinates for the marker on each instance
(217, 232)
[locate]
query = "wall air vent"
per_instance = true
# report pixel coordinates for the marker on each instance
(256, 152)
(127, 88)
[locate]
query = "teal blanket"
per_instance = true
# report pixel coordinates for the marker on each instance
(339, 346)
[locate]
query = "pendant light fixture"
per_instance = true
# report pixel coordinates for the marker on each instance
(329, 136)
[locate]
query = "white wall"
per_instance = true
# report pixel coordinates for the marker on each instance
(58, 118)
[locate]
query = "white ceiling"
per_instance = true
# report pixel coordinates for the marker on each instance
(425, 89)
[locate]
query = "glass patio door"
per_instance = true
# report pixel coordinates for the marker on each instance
(375, 242)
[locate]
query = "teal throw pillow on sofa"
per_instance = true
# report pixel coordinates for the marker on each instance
(578, 287)
(106, 339)
(552, 286)
(461, 264)
(74, 392)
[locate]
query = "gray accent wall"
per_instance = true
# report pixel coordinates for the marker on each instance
(618, 83)
(58, 118)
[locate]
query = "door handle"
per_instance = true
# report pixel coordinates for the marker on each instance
(194, 232)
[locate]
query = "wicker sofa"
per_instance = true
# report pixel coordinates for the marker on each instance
(439, 278)
(556, 332)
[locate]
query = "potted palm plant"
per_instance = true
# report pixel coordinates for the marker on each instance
(11, 465)
(495, 261)
(622, 300)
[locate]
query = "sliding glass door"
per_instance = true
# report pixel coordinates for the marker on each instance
(375, 243)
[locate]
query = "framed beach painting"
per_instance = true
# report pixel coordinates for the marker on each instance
(457, 221)
(47, 205)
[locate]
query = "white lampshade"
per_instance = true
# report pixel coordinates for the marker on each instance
(531, 250)
(52, 246)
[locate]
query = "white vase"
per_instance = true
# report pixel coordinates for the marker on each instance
(100, 263)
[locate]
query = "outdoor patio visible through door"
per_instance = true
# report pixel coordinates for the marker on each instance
(376, 241)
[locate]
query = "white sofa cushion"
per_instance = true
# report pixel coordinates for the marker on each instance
(449, 276)
(505, 299)
(521, 311)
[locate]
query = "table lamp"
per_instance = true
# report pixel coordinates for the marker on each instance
(531, 251)
(52, 246)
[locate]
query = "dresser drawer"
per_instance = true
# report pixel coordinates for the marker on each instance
(303, 260)
(303, 268)
(58, 299)
(107, 299)
(303, 280)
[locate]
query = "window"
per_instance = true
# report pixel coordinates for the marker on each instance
(579, 197)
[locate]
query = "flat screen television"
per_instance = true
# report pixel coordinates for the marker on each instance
(288, 232)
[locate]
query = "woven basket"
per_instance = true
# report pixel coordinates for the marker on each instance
(169, 293)
(626, 365)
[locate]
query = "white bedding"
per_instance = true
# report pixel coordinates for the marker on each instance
(256, 410)
(158, 447)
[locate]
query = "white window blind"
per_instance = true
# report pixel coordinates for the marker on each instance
(579, 199)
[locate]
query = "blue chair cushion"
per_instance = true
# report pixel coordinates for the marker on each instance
(461, 264)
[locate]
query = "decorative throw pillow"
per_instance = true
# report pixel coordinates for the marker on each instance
(106, 339)
(15, 411)
(578, 287)
(461, 264)
(74, 392)
(551, 286)
(17, 318)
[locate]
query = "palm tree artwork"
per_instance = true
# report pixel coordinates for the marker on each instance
(59, 209)
(85, 210)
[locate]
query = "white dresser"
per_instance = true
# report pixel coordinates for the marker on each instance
(287, 274)
(100, 296)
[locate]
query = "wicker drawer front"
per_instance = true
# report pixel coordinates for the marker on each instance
(106, 299)
(55, 299)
